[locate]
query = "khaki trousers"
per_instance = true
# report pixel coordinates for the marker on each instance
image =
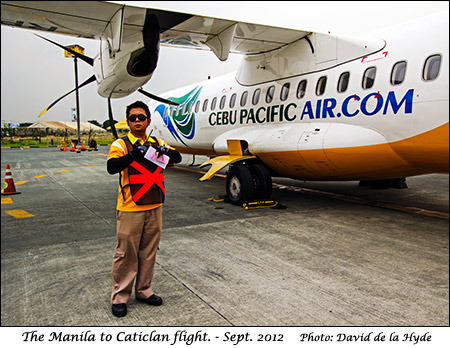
(138, 236)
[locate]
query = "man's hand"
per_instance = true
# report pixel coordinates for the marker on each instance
(162, 150)
(139, 152)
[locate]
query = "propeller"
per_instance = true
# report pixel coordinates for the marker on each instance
(91, 79)
(111, 120)
(88, 81)
(155, 97)
(84, 58)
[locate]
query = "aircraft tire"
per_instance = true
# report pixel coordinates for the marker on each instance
(239, 184)
(262, 181)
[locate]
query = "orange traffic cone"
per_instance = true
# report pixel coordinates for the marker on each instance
(73, 147)
(82, 146)
(10, 188)
(65, 148)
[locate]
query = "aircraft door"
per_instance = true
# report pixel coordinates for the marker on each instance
(310, 148)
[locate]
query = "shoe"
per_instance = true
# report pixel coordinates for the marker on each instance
(119, 310)
(153, 300)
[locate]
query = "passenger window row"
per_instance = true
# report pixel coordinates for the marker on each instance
(430, 72)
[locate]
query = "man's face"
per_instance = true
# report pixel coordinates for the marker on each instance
(138, 125)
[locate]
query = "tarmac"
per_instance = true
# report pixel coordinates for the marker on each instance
(337, 255)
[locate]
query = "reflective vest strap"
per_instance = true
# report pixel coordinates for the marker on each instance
(147, 178)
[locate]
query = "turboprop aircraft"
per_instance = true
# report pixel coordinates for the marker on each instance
(302, 104)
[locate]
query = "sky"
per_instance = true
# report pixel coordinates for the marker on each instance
(34, 72)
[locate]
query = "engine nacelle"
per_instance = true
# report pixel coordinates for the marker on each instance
(120, 72)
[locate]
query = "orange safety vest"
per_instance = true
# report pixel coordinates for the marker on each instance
(146, 179)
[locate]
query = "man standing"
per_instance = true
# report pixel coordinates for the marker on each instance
(139, 209)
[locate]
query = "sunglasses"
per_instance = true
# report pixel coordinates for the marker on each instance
(140, 117)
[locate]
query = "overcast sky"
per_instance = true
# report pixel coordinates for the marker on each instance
(34, 72)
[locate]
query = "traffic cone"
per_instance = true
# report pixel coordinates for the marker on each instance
(65, 148)
(10, 188)
(73, 147)
(82, 146)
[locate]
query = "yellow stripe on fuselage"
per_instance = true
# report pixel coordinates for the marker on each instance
(421, 154)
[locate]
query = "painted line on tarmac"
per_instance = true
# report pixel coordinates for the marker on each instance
(7, 200)
(411, 210)
(18, 213)
(39, 176)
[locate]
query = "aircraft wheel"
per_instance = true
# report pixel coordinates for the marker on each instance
(262, 181)
(239, 184)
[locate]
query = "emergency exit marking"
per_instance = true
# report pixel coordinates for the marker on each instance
(18, 213)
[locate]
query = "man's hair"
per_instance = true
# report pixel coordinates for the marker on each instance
(138, 104)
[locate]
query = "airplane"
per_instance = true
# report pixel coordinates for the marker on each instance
(304, 105)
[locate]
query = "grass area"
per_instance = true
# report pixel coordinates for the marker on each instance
(102, 139)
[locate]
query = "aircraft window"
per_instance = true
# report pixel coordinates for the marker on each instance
(205, 105)
(398, 73)
(222, 102)
(321, 84)
(270, 93)
(432, 67)
(256, 96)
(191, 105)
(213, 103)
(244, 98)
(197, 106)
(233, 100)
(343, 82)
(285, 91)
(301, 89)
(369, 77)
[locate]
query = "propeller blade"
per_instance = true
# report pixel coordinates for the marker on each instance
(155, 97)
(84, 58)
(111, 120)
(88, 81)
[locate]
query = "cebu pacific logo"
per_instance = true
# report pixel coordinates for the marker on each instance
(180, 120)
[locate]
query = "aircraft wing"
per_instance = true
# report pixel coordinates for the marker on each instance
(225, 36)
(95, 19)
(87, 19)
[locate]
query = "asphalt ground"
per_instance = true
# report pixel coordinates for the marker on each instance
(337, 255)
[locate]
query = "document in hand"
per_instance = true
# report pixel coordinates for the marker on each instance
(152, 156)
